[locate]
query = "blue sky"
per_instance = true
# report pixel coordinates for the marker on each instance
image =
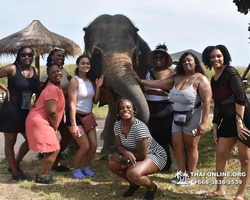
(182, 24)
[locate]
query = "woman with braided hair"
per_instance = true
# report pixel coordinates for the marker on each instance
(57, 57)
(43, 121)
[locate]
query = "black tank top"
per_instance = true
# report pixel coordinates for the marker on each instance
(19, 83)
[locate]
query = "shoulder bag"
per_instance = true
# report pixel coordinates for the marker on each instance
(181, 118)
(88, 122)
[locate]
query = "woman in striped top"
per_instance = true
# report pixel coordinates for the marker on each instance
(139, 154)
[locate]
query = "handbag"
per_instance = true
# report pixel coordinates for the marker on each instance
(88, 122)
(181, 118)
(167, 110)
(247, 141)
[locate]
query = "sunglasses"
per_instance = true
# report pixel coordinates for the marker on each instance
(28, 54)
(161, 57)
(58, 49)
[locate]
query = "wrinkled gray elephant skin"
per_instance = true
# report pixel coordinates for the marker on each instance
(115, 48)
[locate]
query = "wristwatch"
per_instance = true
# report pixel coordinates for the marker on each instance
(120, 158)
(238, 121)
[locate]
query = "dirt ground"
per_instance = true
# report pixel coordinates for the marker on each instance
(11, 190)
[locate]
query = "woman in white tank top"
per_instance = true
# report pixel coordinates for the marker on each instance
(82, 94)
(189, 73)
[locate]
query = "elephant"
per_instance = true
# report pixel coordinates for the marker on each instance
(115, 48)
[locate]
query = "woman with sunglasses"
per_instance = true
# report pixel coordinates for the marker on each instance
(189, 87)
(159, 103)
(22, 83)
(57, 57)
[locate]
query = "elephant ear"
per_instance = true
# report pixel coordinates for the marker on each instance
(142, 59)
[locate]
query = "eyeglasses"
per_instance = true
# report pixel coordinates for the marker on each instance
(28, 54)
(161, 57)
(58, 49)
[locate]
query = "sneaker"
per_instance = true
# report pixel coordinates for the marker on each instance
(47, 179)
(174, 180)
(187, 182)
(19, 177)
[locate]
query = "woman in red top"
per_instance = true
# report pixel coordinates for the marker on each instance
(43, 121)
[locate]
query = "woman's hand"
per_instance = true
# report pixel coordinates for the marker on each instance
(74, 130)
(7, 95)
(130, 159)
(99, 81)
(136, 76)
(114, 157)
(215, 130)
(201, 128)
(242, 132)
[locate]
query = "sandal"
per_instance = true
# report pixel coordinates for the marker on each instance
(238, 198)
(87, 172)
(77, 174)
(212, 195)
(60, 168)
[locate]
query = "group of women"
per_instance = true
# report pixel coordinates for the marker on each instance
(170, 95)
(39, 123)
(188, 87)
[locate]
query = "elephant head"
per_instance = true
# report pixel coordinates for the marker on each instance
(115, 48)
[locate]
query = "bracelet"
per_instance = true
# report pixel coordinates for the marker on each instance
(120, 158)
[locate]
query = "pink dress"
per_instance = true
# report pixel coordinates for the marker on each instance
(40, 134)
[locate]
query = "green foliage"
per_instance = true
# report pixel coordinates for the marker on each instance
(243, 6)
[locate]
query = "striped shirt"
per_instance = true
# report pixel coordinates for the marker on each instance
(139, 131)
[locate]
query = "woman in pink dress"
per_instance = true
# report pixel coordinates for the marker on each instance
(43, 121)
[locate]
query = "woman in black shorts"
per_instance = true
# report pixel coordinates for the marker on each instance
(229, 99)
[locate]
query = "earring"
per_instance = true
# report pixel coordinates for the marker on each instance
(117, 115)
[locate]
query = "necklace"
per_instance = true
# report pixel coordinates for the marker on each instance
(22, 71)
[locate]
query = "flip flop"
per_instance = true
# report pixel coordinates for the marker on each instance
(238, 198)
(77, 174)
(212, 195)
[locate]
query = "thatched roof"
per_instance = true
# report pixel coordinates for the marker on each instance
(40, 39)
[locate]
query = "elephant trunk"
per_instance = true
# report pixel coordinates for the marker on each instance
(117, 72)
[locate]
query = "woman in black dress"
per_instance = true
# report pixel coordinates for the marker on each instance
(22, 83)
(229, 99)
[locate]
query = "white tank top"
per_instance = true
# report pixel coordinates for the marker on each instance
(85, 94)
(154, 97)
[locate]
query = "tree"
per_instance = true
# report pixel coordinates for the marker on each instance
(243, 6)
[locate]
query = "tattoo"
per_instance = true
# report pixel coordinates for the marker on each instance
(48, 162)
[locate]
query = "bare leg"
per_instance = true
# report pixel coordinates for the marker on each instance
(178, 144)
(23, 150)
(244, 154)
(10, 141)
(48, 160)
(92, 147)
(83, 143)
(224, 148)
(191, 143)
(65, 138)
(138, 173)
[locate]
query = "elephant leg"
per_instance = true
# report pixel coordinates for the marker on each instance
(108, 131)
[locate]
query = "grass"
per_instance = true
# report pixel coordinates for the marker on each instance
(107, 186)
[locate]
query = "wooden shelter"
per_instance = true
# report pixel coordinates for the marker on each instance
(37, 36)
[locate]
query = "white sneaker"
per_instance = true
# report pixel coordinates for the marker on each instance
(187, 182)
(174, 180)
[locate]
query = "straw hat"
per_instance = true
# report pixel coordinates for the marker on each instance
(151, 54)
